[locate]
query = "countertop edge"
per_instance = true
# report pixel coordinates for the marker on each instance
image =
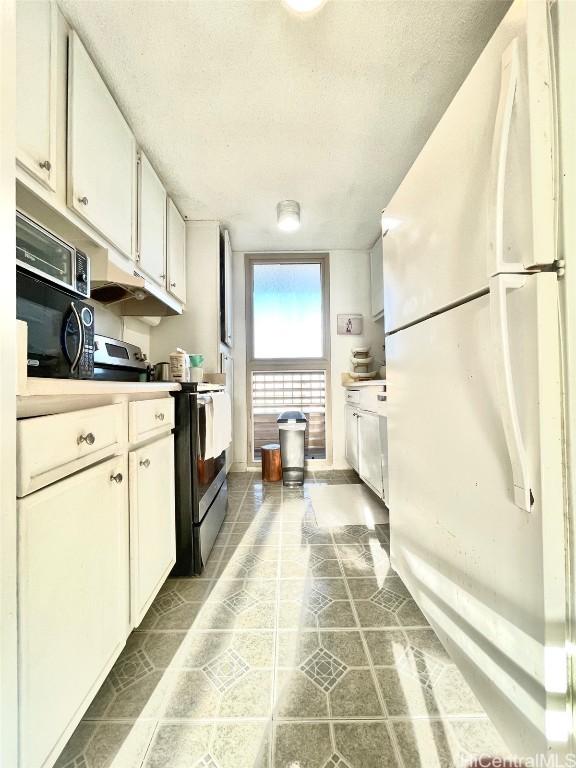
(38, 387)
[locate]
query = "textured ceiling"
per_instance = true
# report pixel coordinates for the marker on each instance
(240, 104)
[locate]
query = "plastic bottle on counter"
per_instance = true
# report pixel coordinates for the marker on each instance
(179, 365)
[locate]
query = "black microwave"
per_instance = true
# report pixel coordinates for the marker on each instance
(52, 278)
(60, 329)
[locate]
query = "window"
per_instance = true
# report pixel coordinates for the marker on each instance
(287, 320)
(287, 347)
(280, 391)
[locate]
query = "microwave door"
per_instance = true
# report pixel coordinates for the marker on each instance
(73, 337)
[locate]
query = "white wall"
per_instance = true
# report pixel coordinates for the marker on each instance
(197, 329)
(130, 329)
(349, 293)
(8, 655)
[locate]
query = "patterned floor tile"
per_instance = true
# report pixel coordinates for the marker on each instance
(365, 745)
(295, 647)
(308, 745)
(298, 646)
(197, 695)
(114, 745)
(419, 687)
(227, 745)
(449, 743)
(324, 669)
(309, 561)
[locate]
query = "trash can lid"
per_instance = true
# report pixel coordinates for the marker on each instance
(288, 416)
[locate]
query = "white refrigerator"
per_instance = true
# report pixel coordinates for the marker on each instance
(474, 371)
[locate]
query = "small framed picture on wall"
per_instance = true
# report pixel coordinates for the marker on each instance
(350, 325)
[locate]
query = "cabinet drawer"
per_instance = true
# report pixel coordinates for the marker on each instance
(369, 399)
(51, 447)
(352, 395)
(149, 417)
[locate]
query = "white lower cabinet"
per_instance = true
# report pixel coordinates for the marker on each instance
(351, 439)
(73, 571)
(152, 526)
(369, 450)
(366, 447)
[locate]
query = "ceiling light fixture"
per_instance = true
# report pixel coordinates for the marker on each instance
(288, 214)
(304, 6)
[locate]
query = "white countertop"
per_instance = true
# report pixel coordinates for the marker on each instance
(38, 387)
(369, 383)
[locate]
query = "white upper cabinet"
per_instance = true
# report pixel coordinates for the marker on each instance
(176, 252)
(151, 222)
(36, 51)
(101, 153)
(377, 279)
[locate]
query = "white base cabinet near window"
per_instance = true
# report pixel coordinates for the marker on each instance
(152, 529)
(73, 601)
(366, 444)
(351, 439)
(370, 451)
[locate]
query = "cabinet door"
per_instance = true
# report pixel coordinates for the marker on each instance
(73, 572)
(377, 279)
(351, 438)
(384, 451)
(227, 367)
(151, 222)
(36, 58)
(228, 308)
(370, 451)
(176, 252)
(101, 153)
(152, 523)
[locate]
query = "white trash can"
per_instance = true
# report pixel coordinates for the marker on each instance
(292, 429)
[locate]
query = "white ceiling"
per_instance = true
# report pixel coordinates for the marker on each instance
(240, 104)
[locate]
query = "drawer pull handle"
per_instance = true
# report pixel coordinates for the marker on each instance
(159, 416)
(89, 439)
(145, 463)
(117, 478)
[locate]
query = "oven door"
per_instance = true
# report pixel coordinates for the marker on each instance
(60, 330)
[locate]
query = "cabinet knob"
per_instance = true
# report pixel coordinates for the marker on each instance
(172, 285)
(159, 416)
(89, 439)
(46, 165)
(162, 277)
(117, 478)
(145, 463)
(83, 200)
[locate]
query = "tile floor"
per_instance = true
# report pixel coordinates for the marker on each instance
(299, 647)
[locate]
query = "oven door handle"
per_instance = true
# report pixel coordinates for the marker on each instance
(81, 341)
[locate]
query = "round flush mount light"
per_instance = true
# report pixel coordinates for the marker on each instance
(288, 215)
(304, 7)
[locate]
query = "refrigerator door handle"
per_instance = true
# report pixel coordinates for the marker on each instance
(510, 69)
(499, 287)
